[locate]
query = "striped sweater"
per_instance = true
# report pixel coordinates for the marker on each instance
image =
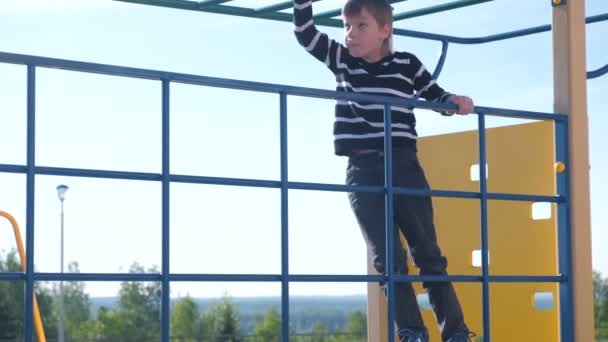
(360, 125)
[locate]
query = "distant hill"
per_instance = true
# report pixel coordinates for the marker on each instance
(304, 311)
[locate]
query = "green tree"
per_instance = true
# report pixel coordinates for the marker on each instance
(137, 317)
(319, 333)
(600, 294)
(114, 325)
(223, 322)
(11, 300)
(185, 321)
(12, 294)
(357, 324)
(269, 328)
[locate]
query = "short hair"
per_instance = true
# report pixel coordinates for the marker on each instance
(379, 9)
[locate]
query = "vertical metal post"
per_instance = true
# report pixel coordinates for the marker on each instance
(29, 205)
(284, 221)
(165, 300)
(483, 189)
(563, 232)
(389, 221)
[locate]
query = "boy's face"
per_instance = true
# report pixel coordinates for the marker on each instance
(365, 37)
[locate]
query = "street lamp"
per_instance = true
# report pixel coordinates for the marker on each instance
(61, 190)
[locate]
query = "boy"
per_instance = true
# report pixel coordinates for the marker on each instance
(367, 64)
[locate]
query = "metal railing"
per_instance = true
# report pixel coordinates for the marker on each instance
(31, 169)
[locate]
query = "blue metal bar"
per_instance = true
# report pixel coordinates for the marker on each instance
(204, 3)
(29, 206)
(563, 234)
(441, 62)
(524, 198)
(317, 278)
(336, 12)
(166, 190)
(12, 168)
(225, 181)
(388, 218)
(284, 220)
(108, 174)
(229, 278)
(98, 276)
(277, 7)
(484, 226)
(256, 86)
(598, 72)
(71, 172)
(437, 9)
(9, 276)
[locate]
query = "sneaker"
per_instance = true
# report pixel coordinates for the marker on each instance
(413, 335)
(464, 336)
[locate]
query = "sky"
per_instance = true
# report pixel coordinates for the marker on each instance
(113, 123)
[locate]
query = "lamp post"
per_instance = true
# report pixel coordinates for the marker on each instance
(61, 190)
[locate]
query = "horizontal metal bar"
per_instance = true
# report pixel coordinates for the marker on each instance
(425, 192)
(527, 198)
(277, 7)
(97, 276)
(510, 113)
(527, 279)
(342, 278)
(72, 172)
(598, 72)
(226, 277)
(13, 168)
(202, 4)
(334, 187)
(124, 175)
(12, 276)
(479, 278)
(225, 181)
(437, 9)
(277, 277)
(253, 86)
(333, 13)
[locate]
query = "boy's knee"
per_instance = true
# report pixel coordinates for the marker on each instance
(433, 266)
(399, 265)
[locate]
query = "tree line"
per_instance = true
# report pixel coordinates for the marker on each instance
(136, 315)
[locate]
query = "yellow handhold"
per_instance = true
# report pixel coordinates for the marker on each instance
(559, 166)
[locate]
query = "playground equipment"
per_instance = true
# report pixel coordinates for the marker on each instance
(565, 142)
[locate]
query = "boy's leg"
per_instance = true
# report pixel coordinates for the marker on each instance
(369, 211)
(415, 218)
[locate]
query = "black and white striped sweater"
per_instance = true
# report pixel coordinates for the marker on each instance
(360, 125)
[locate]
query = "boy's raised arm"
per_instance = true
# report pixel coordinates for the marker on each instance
(314, 41)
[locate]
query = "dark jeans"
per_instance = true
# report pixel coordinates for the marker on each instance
(413, 216)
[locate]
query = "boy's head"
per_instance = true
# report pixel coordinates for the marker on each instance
(369, 28)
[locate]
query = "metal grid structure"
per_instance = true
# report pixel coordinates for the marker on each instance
(31, 169)
(273, 12)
